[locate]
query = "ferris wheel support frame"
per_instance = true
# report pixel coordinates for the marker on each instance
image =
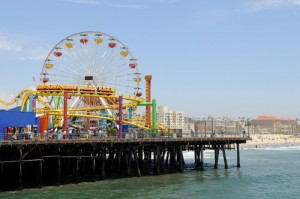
(153, 105)
(120, 115)
(65, 124)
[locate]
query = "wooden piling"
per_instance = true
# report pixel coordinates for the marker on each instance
(94, 164)
(202, 158)
(180, 159)
(224, 157)
(2, 174)
(157, 160)
(238, 154)
(77, 170)
(41, 174)
(103, 155)
(167, 158)
(58, 168)
(137, 166)
(129, 155)
(20, 187)
(216, 156)
(119, 159)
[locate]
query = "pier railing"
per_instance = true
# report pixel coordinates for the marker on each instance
(115, 139)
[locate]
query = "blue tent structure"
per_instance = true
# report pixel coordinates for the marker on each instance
(18, 119)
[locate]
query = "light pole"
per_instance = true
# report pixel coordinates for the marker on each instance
(225, 124)
(204, 121)
(205, 127)
(248, 124)
(212, 124)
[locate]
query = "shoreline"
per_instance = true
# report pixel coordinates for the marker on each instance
(271, 140)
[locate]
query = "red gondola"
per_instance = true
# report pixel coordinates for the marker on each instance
(132, 65)
(45, 80)
(112, 45)
(57, 54)
(139, 94)
(84, 41)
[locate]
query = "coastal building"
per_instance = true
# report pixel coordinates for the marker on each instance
(188, 128)
(272, 124)
(173, 120)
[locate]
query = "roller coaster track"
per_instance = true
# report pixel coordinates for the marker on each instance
(15, 99)
(81, 111)
(93, 108)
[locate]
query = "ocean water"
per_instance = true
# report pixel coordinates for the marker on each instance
(272, 172)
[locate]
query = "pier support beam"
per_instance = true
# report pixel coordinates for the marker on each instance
(58, 168)
(103, 154)
(77, 170)
(119, 159)
(180, 159)
(238, 154)
(216, 156)
(120, 116)
(20, 187)
(137, 166)
(94, 164)
(202, 158)
(224, 157)
(157, 159)
(2, 174)
(41, 174)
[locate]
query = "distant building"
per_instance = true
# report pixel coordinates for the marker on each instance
(188, 128)
(173, 120)
(272, 124)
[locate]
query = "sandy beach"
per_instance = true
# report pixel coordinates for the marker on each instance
(267, 140)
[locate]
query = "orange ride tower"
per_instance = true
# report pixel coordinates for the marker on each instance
(148, 79)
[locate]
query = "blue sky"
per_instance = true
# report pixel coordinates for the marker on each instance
(220, 58)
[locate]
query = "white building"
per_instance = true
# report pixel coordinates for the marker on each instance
(189, 127)
(173, 120)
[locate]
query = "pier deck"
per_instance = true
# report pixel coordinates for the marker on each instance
(35, 163)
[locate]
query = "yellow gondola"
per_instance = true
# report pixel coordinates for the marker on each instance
(48, 66)
(69, 45)
(124, 53)
(137, 79)
(98, 41)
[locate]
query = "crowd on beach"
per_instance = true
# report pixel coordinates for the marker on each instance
(266, 140)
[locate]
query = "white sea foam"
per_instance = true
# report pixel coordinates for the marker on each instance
(276, 148)
(190, 154)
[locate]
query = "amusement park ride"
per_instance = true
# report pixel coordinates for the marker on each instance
(90, 77)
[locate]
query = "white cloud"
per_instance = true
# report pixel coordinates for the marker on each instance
(85, 1)
(110, 3)
(133, 6)
(20, 47)
(9, 45)
(266, 4)
(168, 1)
(35, 54)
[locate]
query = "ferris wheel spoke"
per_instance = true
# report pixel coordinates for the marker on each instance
(115, 69)
(70, 74)
(74, 62)
(116, 84)
(105, 57)
(64, 76)
(113, 65)
(110, 59)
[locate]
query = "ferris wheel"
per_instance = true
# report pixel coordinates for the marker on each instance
(93, 59)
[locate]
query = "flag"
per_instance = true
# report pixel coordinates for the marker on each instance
(33, 79)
